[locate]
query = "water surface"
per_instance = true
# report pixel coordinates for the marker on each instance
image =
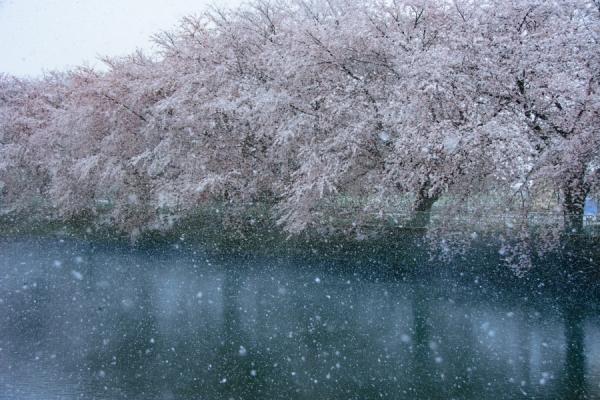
(80, 320)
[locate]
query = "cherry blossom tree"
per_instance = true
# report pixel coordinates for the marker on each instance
(400, 106)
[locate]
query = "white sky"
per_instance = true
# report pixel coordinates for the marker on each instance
(42, 35)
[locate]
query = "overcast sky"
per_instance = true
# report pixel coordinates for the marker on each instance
(38, 35)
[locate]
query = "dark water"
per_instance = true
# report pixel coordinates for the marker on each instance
(82, 321)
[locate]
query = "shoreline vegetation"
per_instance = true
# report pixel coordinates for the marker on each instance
(358, 120)
(546, 264)
(254, 226)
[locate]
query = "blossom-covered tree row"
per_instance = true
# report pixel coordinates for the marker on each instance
(302, 103)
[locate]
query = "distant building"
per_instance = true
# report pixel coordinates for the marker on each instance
(590, 212)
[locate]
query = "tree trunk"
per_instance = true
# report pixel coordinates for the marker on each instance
(575, 192)
(423, 204)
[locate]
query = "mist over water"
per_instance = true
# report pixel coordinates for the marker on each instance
(83, 320)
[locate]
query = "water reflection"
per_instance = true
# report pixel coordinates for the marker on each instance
(574, 369)
(84, 321)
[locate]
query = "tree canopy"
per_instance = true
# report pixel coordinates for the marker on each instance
(397, 105)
